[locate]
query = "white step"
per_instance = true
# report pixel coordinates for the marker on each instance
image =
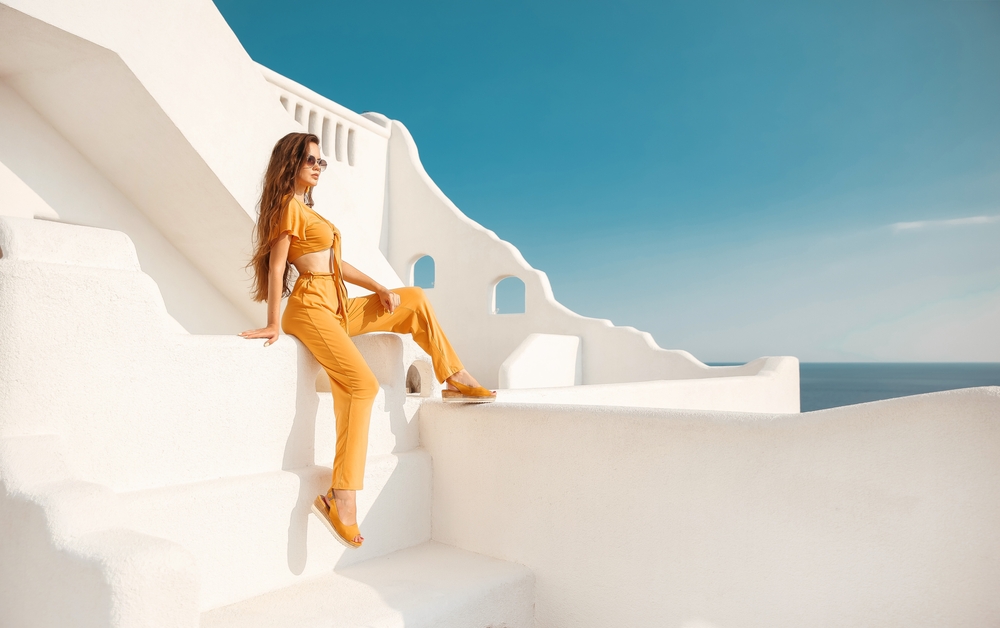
(428, 586)
(254, 534)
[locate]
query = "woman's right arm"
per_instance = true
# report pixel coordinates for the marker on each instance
(275, 283)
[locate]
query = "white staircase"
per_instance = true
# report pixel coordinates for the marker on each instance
(181, 503)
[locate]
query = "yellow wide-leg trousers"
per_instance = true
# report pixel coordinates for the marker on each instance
(311, 315)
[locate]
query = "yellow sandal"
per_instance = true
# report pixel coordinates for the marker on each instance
(468, 394)
(327, 513)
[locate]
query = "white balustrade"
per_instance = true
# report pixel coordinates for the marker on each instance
(319, 115)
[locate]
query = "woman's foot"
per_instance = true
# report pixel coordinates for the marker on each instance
(462, 377)
(328, 509)
(463, 387)
(347, 509)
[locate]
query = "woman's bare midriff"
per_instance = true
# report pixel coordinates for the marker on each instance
(318, 262)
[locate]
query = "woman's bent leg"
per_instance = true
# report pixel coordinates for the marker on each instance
(414, 316)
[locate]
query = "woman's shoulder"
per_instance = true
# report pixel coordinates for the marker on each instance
(295, 209)
(300, 211)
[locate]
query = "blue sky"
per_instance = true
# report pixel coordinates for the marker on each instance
(819, 179)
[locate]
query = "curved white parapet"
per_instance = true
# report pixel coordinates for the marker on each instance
(470, 260)
(880, 514)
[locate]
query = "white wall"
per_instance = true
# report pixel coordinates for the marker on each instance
(543, 361)
(883, 514)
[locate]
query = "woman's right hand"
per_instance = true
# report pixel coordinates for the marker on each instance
(271, 333)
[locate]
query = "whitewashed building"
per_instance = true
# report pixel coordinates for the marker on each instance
(157, 470)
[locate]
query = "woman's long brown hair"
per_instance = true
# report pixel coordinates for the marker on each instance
(279, 186)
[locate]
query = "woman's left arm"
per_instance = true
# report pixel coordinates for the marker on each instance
(389, 299)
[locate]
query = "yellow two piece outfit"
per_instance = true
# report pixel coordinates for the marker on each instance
(321, 316)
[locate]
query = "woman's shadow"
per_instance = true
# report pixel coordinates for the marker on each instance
(299, 456)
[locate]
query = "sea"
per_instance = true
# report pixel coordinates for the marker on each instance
(832, 384)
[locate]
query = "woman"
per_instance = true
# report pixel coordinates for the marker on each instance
(289, 233)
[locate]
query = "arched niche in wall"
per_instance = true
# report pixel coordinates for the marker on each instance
(422, 272)
(420, 379)
(508, 296)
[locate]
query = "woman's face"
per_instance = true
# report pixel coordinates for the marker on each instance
(311, 166)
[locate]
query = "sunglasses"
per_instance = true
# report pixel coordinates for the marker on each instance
(312, 161)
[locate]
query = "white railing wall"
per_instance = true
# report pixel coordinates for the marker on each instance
(470, 261)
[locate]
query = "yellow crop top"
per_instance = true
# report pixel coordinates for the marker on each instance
(312, 233)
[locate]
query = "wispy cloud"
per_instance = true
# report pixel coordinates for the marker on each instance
(940, 224)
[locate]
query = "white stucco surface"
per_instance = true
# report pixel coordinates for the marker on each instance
(873, 515)
(19, 200)
(543, 361)
(157, 470)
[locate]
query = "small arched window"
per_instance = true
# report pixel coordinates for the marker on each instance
(422, 272)
(508, 296)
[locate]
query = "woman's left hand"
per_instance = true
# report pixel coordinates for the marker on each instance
(389, 299)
